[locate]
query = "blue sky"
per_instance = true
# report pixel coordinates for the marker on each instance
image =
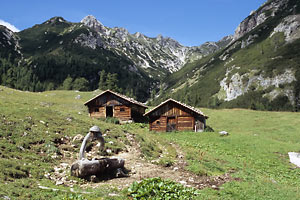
(191, 22)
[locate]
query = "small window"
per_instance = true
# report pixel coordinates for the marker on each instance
(122, 109)
(96, 109)
(157, 122)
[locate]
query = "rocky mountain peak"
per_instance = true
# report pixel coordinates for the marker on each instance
(159, 37)
(227, 38)
(160, 53)
(122, 30)
(55, 20)
(9, 41)
(139, 35)
(92, 22)
(167, 41)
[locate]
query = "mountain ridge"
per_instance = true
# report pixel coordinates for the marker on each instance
(57, 49)
(255, 68)
(168, 53)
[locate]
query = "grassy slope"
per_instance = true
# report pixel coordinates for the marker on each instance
(256, 148)
(31, 126)
(26, 157)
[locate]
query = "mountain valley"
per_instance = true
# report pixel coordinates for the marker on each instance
(257, 67)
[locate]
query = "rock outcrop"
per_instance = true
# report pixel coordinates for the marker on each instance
(9, 41)
(290, 26)
(236, 85)
(267, 10)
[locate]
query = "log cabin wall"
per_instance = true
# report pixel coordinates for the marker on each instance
(185, 123)
(99, 106)
(158, 124)
(109, 104)
(97, 112)
(122, 112)
(173, 116)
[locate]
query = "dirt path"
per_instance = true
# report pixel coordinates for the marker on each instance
(141, 169)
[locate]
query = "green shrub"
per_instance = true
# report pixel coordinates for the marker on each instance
(112, 120)
(157, 188)
(73, 197)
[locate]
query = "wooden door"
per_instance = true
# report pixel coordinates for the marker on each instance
(109, 111)
(171, 124)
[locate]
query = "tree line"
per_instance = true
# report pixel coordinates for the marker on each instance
(23, 77)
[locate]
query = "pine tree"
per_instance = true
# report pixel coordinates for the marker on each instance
(39, 87)
(130, 93)
(102, 80)
(112, 82)
(81, 84)
(67, 84)
(153, 94)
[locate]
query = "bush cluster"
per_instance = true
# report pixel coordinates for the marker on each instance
(157, 188)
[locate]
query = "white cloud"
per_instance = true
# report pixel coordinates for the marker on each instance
(9, 26)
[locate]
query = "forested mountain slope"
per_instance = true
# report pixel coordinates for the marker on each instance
(260, 69)
(58, 54)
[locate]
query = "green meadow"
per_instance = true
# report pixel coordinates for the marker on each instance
(255, 153)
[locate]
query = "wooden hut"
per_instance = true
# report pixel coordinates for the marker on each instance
(172, 115)
(112, 104)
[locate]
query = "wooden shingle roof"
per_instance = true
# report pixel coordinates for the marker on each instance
(131, 100)
(177, 102)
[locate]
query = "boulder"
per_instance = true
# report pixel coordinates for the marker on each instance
(223, 133)
(295, 158)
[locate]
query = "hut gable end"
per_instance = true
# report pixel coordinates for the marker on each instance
(172, 115)
(108, 100)
(171, 109)
(112, 104)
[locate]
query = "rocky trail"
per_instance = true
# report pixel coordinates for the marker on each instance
(140, 169)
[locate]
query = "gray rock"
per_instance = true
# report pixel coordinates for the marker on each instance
(69, 119)
(258, 17)
(59, 183)
(223, 133)
(290, 26)
(294, 158)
